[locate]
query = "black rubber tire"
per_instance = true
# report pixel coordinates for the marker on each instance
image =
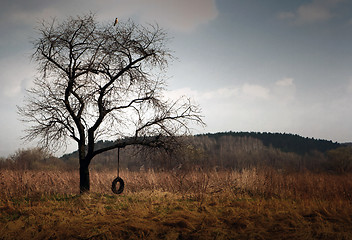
(122, 185)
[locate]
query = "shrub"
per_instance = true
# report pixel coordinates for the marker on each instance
(340, 159)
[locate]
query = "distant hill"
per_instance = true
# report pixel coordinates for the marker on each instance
(227, 150)
(284, 141)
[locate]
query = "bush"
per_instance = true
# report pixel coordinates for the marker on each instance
(32, 159)
(340, 159)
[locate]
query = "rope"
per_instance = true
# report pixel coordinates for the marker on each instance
(118, 162)
(118, 179)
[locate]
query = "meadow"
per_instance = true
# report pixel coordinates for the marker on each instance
(248, 204)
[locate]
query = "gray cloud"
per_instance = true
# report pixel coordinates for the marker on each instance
(181, 15)
(18, 19)
(314, 12)
(16, 74)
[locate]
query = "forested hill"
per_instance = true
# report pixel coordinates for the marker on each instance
(283, 141)
(229, 150)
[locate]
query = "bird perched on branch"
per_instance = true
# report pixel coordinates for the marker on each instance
(116, 20)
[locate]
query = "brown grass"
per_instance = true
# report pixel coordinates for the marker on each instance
(252, 204)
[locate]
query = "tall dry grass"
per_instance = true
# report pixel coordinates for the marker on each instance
(251, 183)
(251, 204)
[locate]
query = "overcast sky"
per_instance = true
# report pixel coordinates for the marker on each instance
(252, 65)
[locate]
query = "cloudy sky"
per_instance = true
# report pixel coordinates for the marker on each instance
(253, 65)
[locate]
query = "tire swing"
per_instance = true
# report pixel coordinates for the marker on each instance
(118, 179)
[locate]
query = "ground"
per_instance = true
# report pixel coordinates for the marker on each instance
(182, 213)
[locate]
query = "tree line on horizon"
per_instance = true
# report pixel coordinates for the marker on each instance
(286, 142)
(219, 151)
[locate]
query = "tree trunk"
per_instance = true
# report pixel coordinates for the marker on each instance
(84, 182)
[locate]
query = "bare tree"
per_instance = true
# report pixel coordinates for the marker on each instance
(99, 81)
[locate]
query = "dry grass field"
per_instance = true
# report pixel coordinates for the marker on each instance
(251, 204)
